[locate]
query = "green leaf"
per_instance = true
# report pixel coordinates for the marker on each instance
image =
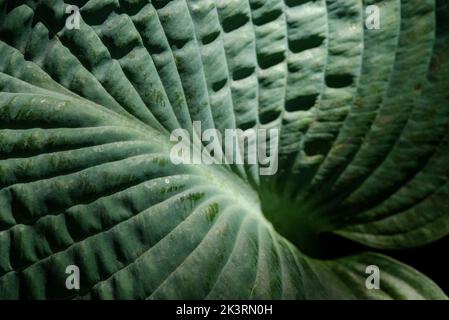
(86, 177)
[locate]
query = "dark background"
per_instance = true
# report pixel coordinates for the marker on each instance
(432, 260)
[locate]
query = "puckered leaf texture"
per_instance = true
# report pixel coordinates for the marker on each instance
(85, 173)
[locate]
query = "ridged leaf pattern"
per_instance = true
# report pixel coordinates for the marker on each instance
(85, 173)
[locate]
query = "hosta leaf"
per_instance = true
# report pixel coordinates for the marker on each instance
(86, 177)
